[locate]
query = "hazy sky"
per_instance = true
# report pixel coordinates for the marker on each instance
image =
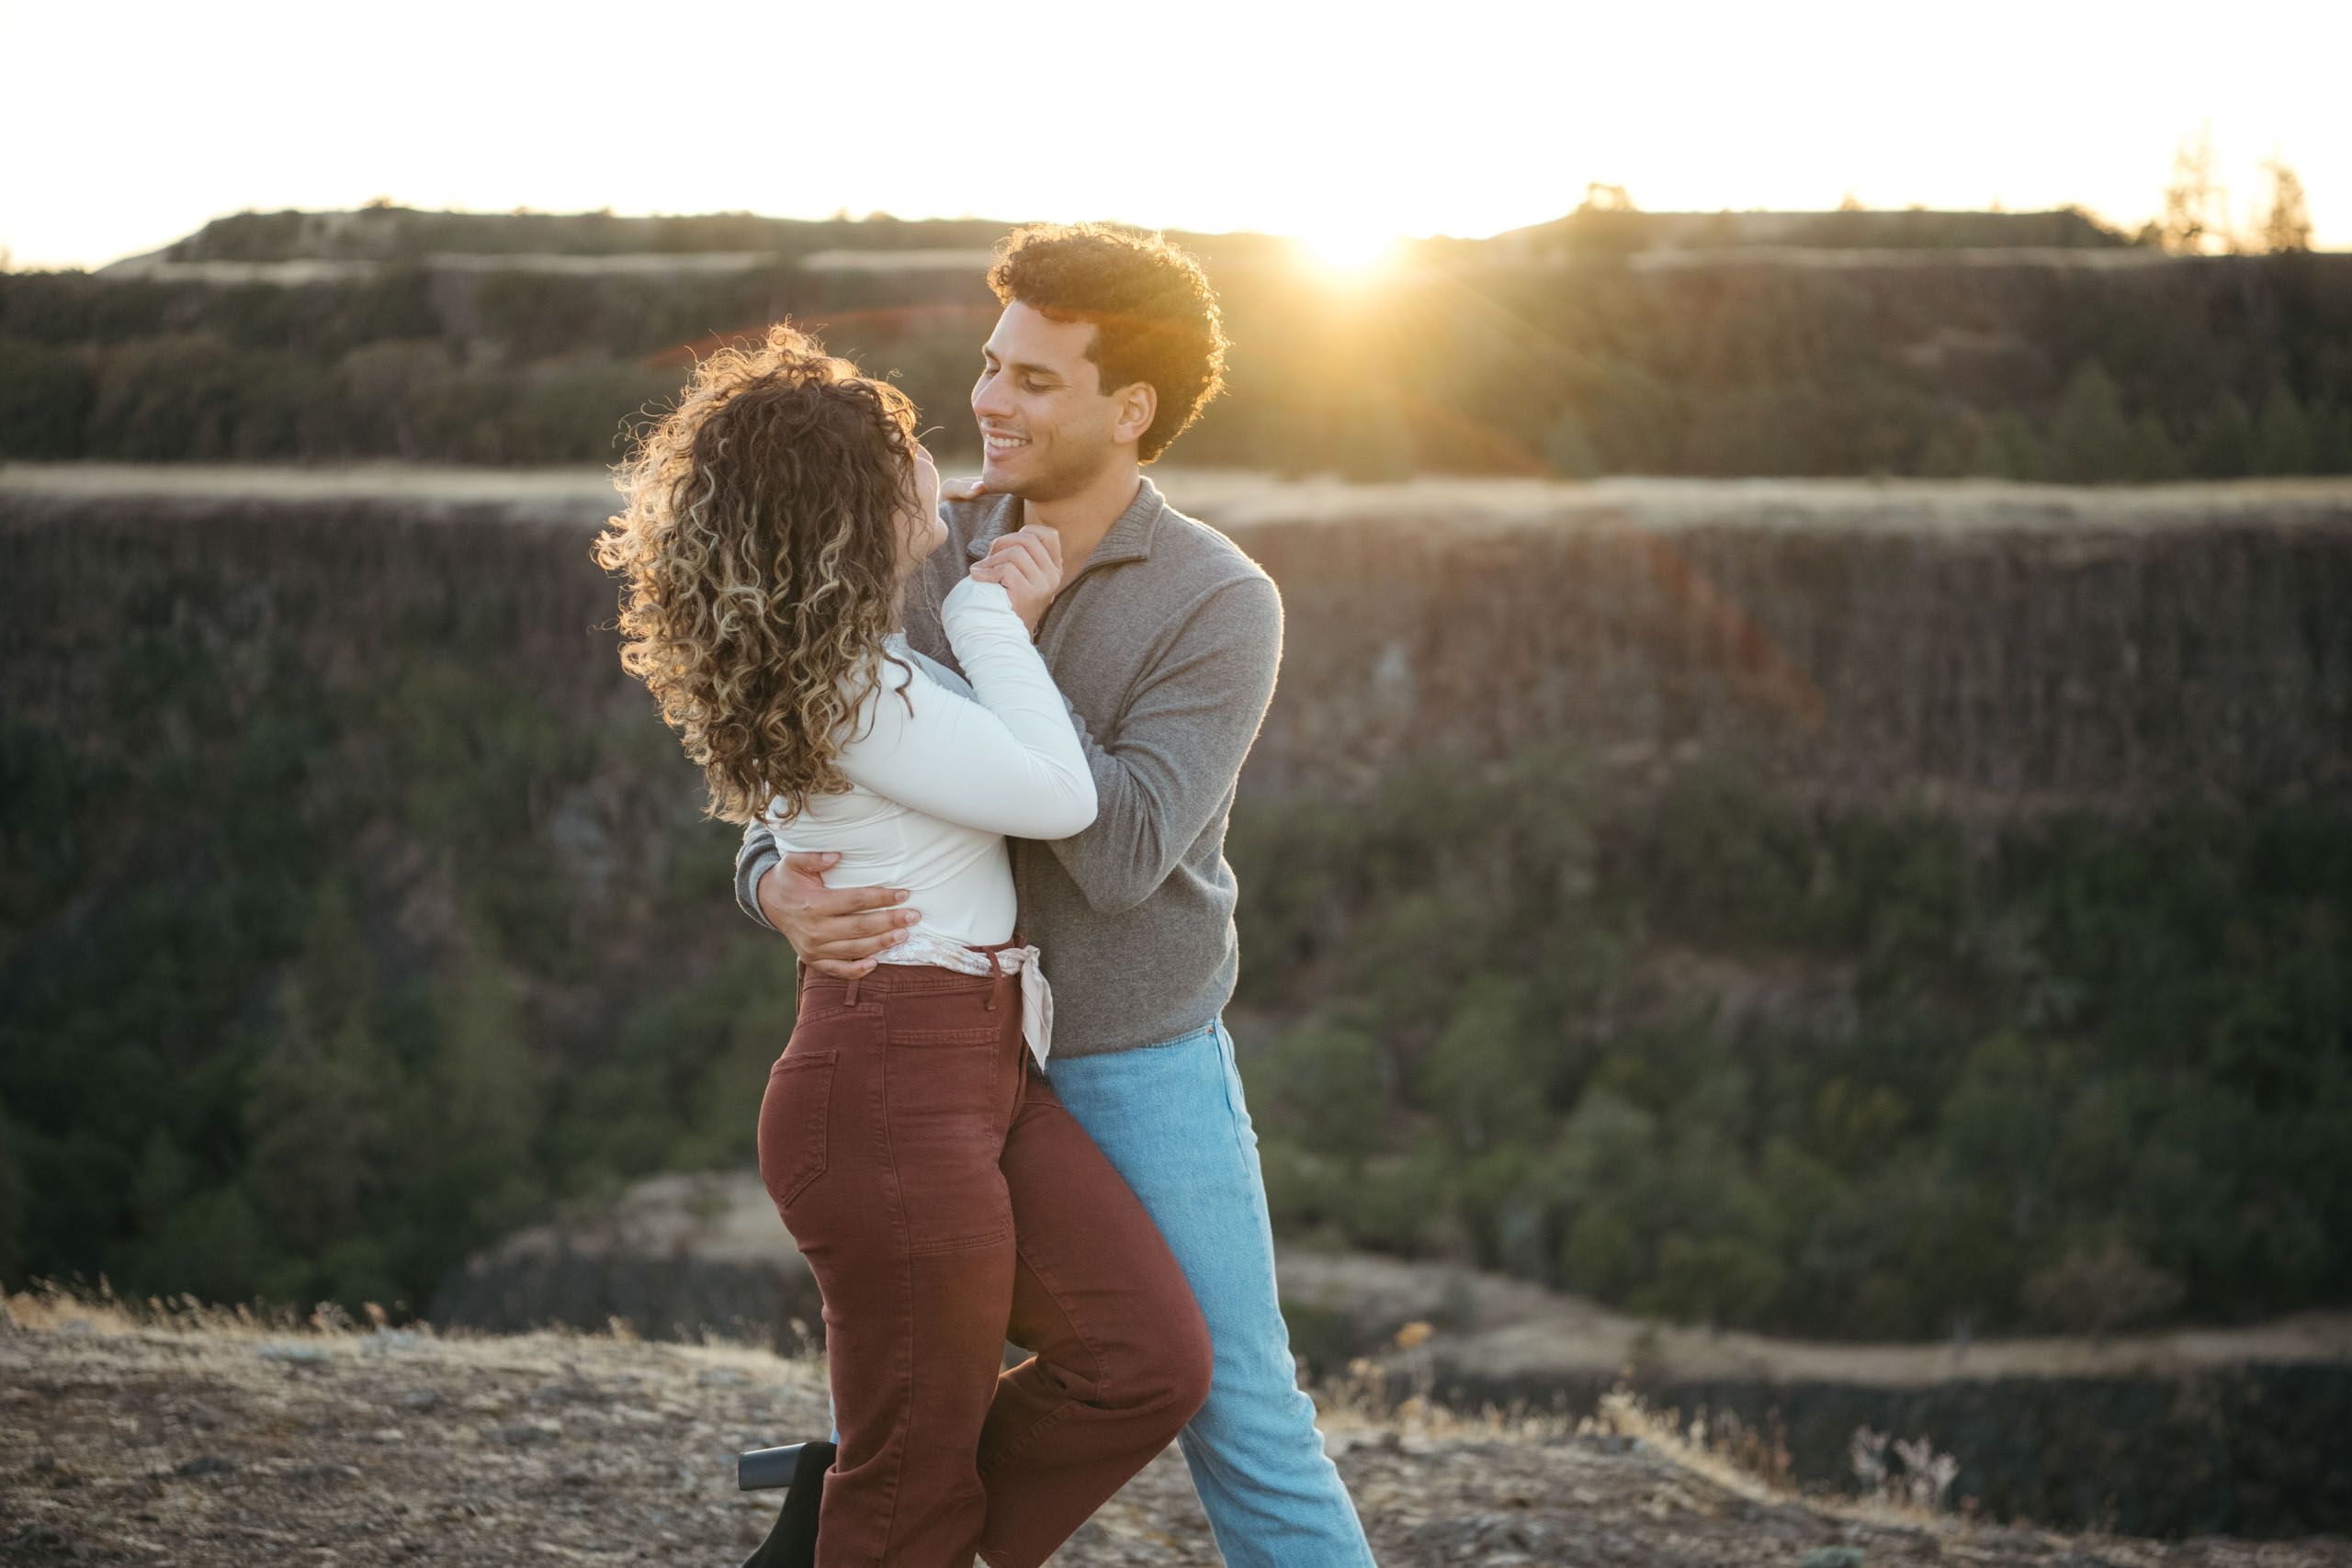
(130, 124)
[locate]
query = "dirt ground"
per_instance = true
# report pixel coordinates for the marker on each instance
(202, 1437)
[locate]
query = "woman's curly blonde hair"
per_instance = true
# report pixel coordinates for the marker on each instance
(759, 548)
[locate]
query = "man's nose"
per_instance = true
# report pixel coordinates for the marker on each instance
(989, 400)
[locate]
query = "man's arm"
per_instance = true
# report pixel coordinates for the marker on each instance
(1160, 780)
(755, 859)
(839, 930)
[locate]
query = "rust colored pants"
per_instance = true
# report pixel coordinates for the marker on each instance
(947, 1202)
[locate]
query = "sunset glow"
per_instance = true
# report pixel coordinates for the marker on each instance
(1214, 118)
(1349, 252)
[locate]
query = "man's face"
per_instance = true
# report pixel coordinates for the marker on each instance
(1045, 425)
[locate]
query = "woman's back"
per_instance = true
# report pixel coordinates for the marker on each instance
(938, 779)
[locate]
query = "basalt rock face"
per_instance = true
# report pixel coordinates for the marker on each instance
(2026, 650)
(2000, 648)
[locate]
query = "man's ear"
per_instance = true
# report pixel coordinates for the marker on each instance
(1135, 405)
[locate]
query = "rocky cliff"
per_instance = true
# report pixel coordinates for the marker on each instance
(1972, 645)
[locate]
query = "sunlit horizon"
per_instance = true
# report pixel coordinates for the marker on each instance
(1221, 119)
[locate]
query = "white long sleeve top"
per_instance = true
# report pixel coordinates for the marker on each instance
(935, 790)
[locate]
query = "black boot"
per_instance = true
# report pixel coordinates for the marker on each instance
(793, 1542)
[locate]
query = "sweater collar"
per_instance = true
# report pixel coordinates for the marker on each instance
(1130, 538)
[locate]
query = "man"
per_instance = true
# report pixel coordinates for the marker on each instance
(1165, 639)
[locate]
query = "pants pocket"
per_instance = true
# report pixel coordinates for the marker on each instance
(948, 1100)
(793, 1120)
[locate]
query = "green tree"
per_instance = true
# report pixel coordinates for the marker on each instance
(2153, 458)
(12, 1199)
(2008, 449)
(45, 397)
(1483, 1079)
(2091, 441)
(1325, 1083)
(2226, 444)
(482, 1090)
(1941, 458)
(319, 1118)
(2282, 439)
(2332, 438)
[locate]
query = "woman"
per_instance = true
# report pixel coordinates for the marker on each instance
(942, 1197)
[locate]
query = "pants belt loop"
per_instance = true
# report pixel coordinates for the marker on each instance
(852, 998)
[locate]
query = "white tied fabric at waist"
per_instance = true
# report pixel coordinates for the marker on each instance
(1037, 996)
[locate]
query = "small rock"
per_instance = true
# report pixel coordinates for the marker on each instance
(298, 1355)
(390, 1339)
(322, 1471)
(523, 1434)
(205, 1464)
(422, 1399)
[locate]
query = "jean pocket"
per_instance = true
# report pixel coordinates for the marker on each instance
(793, 1118)
(947, 1106)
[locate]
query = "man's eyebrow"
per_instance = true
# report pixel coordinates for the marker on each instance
(1027, 366)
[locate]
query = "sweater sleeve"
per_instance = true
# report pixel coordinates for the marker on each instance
(1008, 763)
(1180, 746)
(752, 859)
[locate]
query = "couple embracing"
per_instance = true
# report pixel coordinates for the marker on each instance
(977, 738)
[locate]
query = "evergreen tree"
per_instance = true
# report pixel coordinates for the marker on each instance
(2332, 438)
(2225, 447)
(2196, 215)
(1941, 459)
(482, 1091)
(2007, 449)
(2090, 442)
(318, 1113)
(2288, 224)
(2154, 459)
(12, 1199)
(2283, 439)
(45, 396)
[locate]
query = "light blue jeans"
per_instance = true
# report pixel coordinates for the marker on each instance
(1171, 1120)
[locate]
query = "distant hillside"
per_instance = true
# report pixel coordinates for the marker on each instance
(2011, 345)
(1592, 230)
(392, 234)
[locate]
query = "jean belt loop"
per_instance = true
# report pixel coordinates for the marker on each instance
(851, 997)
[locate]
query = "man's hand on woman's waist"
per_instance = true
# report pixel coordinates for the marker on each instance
(835, 931)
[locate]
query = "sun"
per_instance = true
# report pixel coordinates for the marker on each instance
(1350, 249)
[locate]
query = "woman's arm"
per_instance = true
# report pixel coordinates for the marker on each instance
(1007, 763)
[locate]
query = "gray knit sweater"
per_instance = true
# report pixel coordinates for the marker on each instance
(1166, 645)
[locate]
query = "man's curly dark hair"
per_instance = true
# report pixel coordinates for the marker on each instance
(1155, 316)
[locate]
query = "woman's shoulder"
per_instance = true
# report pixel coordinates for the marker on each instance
(908, 681)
